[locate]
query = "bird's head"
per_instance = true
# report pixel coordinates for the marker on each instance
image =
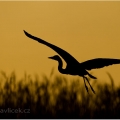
(55, 57)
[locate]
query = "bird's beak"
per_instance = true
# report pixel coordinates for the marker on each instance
(50, 57)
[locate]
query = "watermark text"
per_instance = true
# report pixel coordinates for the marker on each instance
(17, 110)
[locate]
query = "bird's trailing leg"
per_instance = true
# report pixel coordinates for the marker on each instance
(85, 84)
(90, 85)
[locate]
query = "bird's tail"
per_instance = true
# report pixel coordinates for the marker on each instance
(92, 76)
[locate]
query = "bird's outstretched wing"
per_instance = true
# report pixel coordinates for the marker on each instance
(99, 63)
(65, 55)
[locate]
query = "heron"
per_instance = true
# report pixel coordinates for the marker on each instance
(73, 67)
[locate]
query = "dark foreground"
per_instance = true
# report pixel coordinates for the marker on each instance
(58, 98)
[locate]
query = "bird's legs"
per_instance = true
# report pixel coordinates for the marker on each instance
(90, 85)
(85, 84)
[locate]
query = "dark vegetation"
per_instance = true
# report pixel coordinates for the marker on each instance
(56, 98)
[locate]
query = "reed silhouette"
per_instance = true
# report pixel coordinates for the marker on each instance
(57, 99)
(73, 67)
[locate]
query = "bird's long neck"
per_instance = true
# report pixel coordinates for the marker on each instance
(60, 65)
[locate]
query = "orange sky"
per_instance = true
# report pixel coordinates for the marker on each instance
(86, 30)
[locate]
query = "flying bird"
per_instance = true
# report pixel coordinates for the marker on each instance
(73, 67)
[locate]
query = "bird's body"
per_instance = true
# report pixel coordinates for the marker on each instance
(70, 69)
(73, 67)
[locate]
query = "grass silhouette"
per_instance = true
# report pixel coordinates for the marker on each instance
(56, 97)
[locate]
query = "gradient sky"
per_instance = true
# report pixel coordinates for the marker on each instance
(86, 30)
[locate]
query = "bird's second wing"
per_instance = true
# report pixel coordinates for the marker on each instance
(65, 55)
(99, 63)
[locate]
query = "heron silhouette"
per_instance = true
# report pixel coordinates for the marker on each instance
(73, 67)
